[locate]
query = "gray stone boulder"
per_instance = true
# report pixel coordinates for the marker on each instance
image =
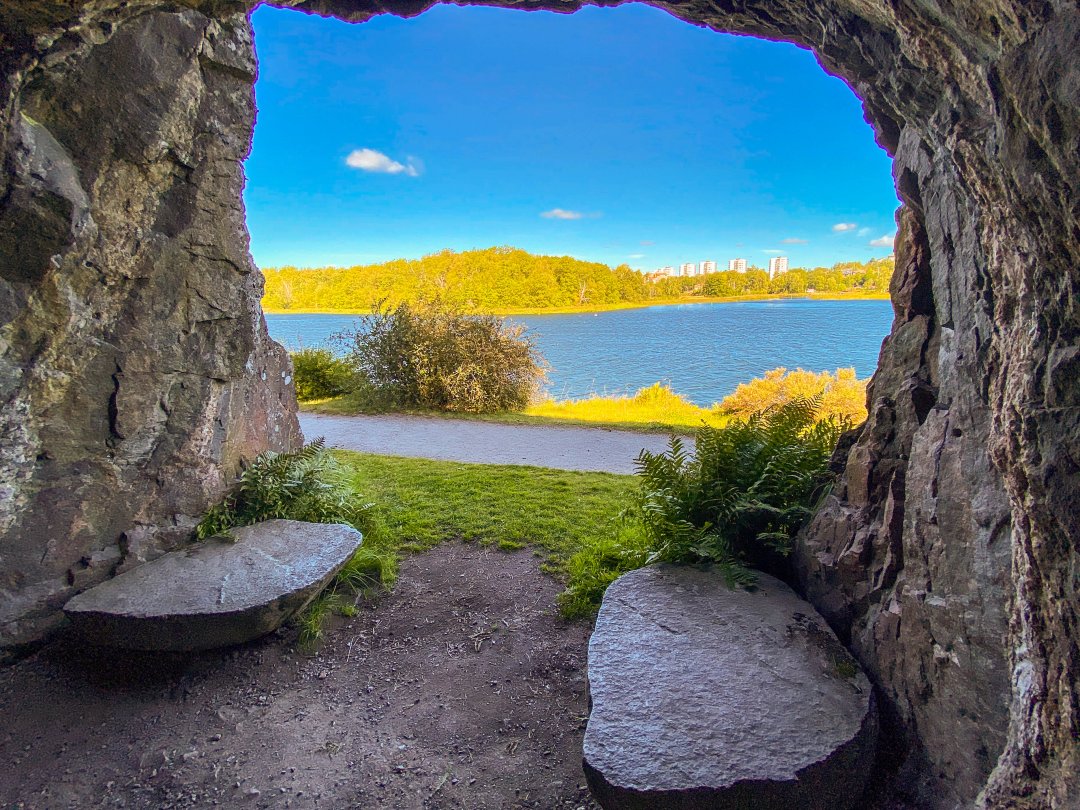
(708, 697)
(216, 593)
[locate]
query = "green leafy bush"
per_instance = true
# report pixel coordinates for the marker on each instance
(738, 501)
(841, 395)
(427, 355)
(318, 374)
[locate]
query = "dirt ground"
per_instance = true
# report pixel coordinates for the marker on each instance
(461, 689)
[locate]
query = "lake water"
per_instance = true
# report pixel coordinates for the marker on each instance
(701, 350)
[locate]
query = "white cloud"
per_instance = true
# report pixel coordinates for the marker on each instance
(792, 240)
(864, 232)
(884, 241)
(636, 256)
(562, 213)
(370, 160)
(844, 227)
(777, 252)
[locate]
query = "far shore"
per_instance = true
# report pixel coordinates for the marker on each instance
(873, 296)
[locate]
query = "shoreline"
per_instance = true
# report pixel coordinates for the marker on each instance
(737, 299)
(337, 406)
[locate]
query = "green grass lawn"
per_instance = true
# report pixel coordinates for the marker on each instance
(417, 504)
(420, 503)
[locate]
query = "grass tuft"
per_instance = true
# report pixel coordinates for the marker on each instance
(599, 563)
(312, 620)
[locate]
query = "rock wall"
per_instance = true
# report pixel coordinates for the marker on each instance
(135, 368)
(947, 555)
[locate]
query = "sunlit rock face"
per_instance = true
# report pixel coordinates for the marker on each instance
(136, 371)
(134, 356)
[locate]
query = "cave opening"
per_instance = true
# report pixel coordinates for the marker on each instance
(137, 372)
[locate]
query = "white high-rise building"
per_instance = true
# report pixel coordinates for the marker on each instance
(777, 265)
(667, 271)
(708, 267)
(688, 269)
(736, 265)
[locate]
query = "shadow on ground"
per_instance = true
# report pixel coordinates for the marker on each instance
(461, 689)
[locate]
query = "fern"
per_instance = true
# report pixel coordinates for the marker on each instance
(735, 503)
(302, 485)
(740, 499)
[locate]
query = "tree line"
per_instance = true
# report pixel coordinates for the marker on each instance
(503, 279)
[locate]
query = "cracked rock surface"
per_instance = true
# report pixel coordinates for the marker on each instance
(135, 369)
(705, 696)
(216, 593)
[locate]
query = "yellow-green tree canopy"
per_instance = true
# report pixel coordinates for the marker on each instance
(503, 279)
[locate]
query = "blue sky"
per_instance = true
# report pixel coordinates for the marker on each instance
(618, 135)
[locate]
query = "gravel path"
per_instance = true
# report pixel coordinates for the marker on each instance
(566, 448)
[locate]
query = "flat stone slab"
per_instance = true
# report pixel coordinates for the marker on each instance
(216, 593)
(708, 697)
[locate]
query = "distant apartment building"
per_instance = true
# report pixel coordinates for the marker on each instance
(688, 269)
(667, 271)
(777, 265)
(736, 265)
(708, 267)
